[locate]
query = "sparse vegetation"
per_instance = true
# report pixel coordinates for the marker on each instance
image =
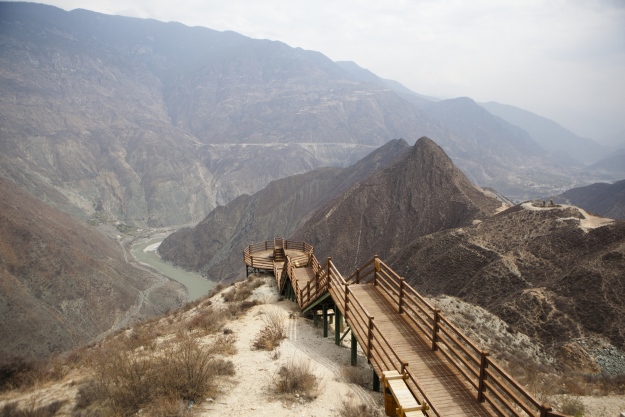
(272, 333)
(34, 410)
(356, 375)
(349, 408)
(573, 406)
(22, 373)
(126, 382)
(243, 290)
(297, 378)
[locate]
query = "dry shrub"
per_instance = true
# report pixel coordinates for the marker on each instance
(125, 383)
(168, 407)
(351, 409)
(224, 344)
(573, 406)
(34, 410)
(236, 309)
(355, 375)
(22, 373)
(298, 379)
(272, 333)
(209, 320)
(243, 290)
(140, 336)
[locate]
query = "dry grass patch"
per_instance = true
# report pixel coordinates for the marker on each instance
(33, 410)
(19, 373)
(297, 379)
(349, 408)
(272, 333)
(125, 382)
(243, 290)
(356, 375)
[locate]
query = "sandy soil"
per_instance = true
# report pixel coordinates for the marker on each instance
(250, 392)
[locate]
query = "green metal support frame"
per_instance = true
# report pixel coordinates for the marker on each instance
(338, 318)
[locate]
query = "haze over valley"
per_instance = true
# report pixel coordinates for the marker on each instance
(117, 133)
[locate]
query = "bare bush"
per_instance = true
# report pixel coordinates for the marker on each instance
(22, 373)
(573, 406)
(209, 320)
(351, 409)
(298, 379)
(355, 375)
(243, 290)
(125, 382)
(272, 333)
(34, 410)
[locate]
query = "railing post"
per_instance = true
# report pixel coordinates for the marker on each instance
(544, 410)
(403, 369)
(401, 294)
(435, 328)
(376, 268)
(357, 275)
(328, 272)
(370, 338)
(346, 292)
(252, 261)
(481, 386)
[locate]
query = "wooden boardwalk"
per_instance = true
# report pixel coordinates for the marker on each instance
(442, 371)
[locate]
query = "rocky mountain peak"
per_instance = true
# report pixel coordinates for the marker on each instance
(421, 193)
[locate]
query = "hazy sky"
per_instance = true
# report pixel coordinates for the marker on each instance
(563, 59)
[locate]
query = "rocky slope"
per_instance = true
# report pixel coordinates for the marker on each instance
(553, 273)
(421, 193)
(604, 199)
(215, 245)
(61, 282)
(157, 123)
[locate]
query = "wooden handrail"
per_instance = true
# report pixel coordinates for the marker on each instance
(491, 382)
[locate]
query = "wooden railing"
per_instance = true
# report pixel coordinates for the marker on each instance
(488, 379)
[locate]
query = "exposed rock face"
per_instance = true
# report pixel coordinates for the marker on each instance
(215, 245)
(605, 199)
(541, 269)
(61, 282)
(421, 193)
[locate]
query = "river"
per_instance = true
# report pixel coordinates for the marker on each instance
(197, 285)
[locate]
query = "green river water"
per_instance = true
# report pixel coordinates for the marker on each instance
(197, 286)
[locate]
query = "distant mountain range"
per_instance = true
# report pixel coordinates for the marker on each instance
(604, 199)
(158, 123)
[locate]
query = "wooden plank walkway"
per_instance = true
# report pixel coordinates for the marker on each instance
(443, 383)
(402, 334)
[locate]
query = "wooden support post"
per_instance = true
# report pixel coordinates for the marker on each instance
(401, 294)
(481, 386)
(376, 382)
(324, 308)
(354, 350)
(435, 328)
(544, 410)
(337, 326)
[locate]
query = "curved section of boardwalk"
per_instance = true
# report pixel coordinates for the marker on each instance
(408, 342)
